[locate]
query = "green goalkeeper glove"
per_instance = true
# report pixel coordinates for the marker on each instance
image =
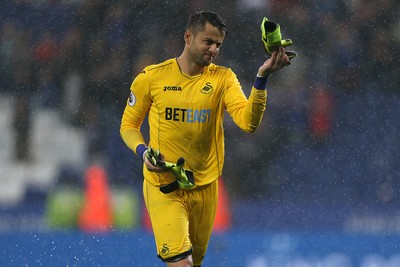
(184, 178)
(272, 38)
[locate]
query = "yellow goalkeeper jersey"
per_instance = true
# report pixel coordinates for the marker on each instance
(186, 114)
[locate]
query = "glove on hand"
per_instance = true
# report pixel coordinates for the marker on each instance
(155, 157)
(184, 177)
(272, 38)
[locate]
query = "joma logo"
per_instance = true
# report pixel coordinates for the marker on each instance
(172, 88)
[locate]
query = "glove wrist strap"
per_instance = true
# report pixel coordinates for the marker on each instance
(171, 187)
(260, 83)
(140, 149)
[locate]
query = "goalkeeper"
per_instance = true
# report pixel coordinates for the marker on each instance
(185, 99)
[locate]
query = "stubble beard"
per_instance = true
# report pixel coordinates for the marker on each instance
(198, 58)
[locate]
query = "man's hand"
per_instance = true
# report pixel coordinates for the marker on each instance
(154, 160)
(277, 61)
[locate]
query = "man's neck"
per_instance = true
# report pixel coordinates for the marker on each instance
(189, 67)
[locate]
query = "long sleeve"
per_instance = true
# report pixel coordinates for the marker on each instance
(135, 112)
(246, 113)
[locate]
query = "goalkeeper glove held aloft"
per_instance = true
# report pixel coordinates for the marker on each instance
(272, 38)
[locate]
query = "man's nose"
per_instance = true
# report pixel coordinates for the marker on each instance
(213, 48)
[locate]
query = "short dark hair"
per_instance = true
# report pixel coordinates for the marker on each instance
(199, 19)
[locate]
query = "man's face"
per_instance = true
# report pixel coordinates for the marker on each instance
(205, 45)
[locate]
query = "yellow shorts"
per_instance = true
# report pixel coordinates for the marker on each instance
(182, 221)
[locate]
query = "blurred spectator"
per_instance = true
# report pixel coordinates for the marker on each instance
(45, 50)
(320, 113)
(8, 32)
(70, 72)
(22, 94)
(45, 56)
(22, 125)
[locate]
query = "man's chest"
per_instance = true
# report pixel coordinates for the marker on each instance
(173, 93)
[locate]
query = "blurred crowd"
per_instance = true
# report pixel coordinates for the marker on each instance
(78, 57)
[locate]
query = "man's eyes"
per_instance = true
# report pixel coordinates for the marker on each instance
(210, 42)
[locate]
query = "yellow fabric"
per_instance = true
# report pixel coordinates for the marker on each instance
(186, 115)
(170, 213)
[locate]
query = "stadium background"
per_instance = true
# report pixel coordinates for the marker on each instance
(318, 183)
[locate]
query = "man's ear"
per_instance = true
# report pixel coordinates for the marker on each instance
(188, 37)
